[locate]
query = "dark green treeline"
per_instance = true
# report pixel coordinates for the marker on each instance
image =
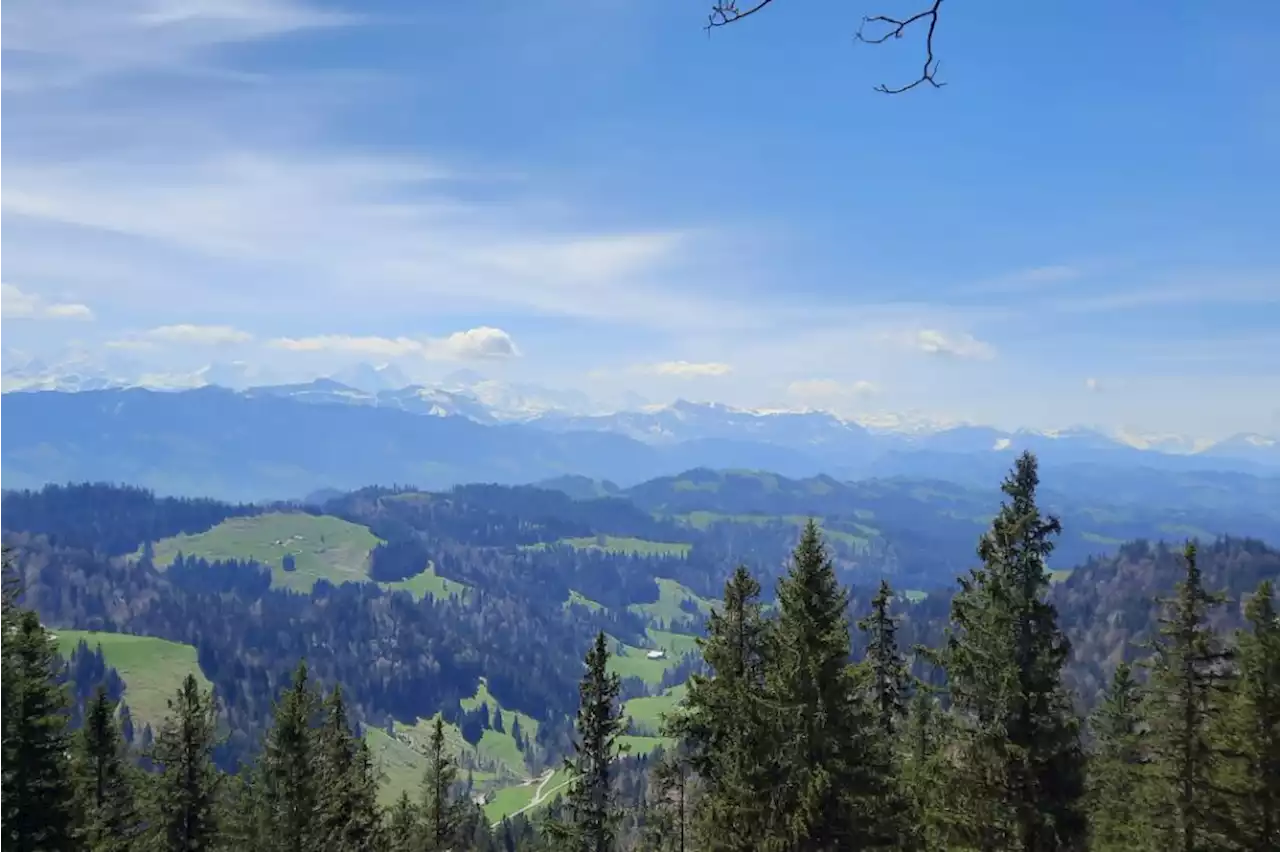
(785, 745)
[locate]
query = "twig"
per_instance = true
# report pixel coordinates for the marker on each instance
(896, 28)
(728, 12)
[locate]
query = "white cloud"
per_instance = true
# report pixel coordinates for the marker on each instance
(20, 305)
(122, 182)
(71, 42)
(830, 390)
(483, 343)
(1091, 384)
(685, 369)
(933, 342)
(199, 335)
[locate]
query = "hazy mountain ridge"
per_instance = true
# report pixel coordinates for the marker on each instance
(284, 442)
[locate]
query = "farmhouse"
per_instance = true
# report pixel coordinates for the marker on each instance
(657, 655)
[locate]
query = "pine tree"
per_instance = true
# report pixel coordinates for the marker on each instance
(347, 788)
(1257, 721)
(1119, 788)
(403, 825)
(8, 692)
(835, 779)
(1020, 763)
(104, 795)
(668, 807)
(440, 809)
(238, 810)
(924, 771)
(184, 817)
(591, 802)
(287, 771)
(1190, 670)
(888, 690)
(722, 727)
(886, 665)
(36, 796)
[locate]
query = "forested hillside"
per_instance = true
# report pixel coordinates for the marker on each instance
(444, 637)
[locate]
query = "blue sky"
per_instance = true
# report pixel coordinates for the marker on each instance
(595, 195)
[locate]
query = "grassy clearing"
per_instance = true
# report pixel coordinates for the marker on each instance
(634, 662)
(1185, 531)
(665, 611)
(643, 745)
(401, 767)
(647, 713)
(576, 598)
(323, 547)
(152, 669)
(1097, 538)
(493, 755)
(677, 644)
(627, 544)
(702, 520)
(427, 583)
(508, 800)
(500, 746)
(528, 724)
(1059, 576)
(914, 595)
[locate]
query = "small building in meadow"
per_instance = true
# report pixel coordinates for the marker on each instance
(657, 654)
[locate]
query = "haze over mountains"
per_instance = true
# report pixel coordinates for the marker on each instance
(283, 441)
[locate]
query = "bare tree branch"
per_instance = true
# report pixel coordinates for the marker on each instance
(728, 12)
(895, 29)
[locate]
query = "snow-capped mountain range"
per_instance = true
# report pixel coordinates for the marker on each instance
(481, 400)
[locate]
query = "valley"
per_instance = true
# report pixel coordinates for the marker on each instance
(511, 582)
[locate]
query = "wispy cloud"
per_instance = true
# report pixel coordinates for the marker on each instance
(203, 335)
(21, 305)
(685, 369)
(940, 344)
(483, 343)
(830, 391)
(1224, 288)
(69, 42)
(223, 202)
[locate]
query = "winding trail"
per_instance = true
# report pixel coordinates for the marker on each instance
(539, 795)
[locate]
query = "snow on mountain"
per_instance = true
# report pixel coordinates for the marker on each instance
(465, 393)
(1258, 449)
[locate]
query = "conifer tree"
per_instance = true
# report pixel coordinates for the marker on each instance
(1258, 723)
(924, 773)
(1021, 764)
(403, 825)
(1190, 670)
(36, 795)
(833, 794)
(592, 813)
(666, 818)
(722, 728)
(104, 795)
(885, 664)
(8, 691)
(238, 810)
(1119, 788)
(184, 815)
(888, 689)
(287, 771)
(347, 797)
(440, 809)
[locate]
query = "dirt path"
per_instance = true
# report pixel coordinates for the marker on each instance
(539, 795)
